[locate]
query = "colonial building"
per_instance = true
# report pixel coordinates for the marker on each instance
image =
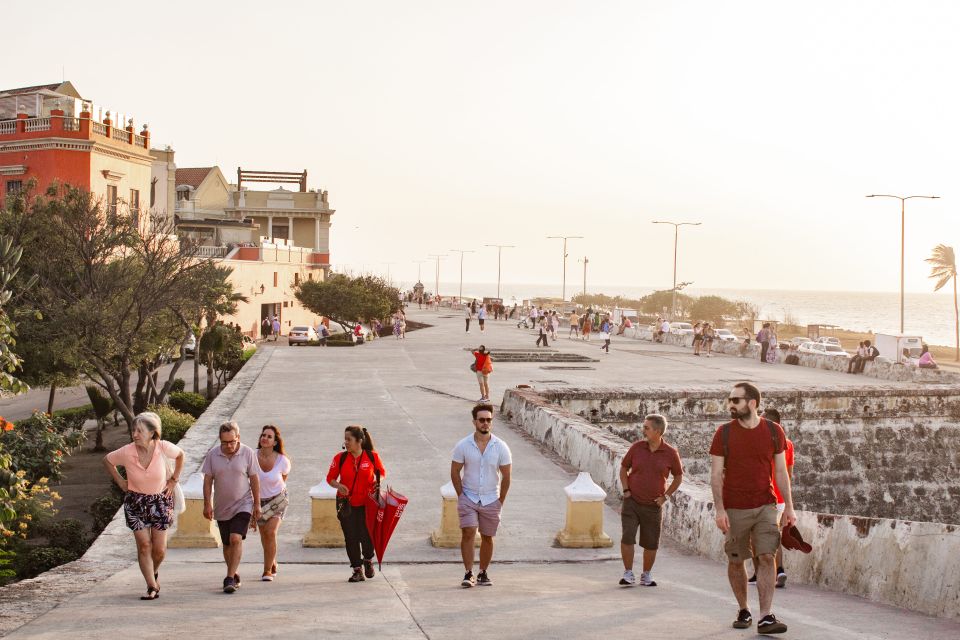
(49, 133)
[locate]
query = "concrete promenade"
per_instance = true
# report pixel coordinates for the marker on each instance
(415, 396)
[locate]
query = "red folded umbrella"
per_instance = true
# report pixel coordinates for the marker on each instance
(383, 512)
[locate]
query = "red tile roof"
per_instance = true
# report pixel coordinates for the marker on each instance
(192, 176)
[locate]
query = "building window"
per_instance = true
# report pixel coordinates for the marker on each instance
(274, 278)
(296, 279)
(111, 199)
(284, 305)
(135, 205)
(14, 187)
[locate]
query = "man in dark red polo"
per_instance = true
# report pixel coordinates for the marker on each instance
(643, 475)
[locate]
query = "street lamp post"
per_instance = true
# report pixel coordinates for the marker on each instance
(461, 252)
(436, 290)
(903, 219)
(563, 294)
(418, 263)
(500, 248)
(676, 233)
(585, 261)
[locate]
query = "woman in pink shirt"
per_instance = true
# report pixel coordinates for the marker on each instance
(273, 467)
(148, 492)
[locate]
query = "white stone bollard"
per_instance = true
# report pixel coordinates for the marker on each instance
(448, 535)
(193, 530)
(584, 525)
(325, 528)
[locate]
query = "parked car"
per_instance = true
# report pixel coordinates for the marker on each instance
(339, 327)
(302, 335)
(726, 335)
(829, 340)
(823, 349)
(798, 342)
(190, 347)
(681, 328)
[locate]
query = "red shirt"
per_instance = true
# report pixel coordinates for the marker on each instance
(364, 481)
(789, 456)
(647, 480)
(748, 477)
(483, 360)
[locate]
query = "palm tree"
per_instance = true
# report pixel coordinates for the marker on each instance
(944, 262)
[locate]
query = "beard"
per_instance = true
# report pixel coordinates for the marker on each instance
(484, 430)
(736, 414)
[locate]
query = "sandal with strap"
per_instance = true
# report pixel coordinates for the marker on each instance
(152, 594)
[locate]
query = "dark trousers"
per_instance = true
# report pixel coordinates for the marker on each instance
(854, 363)
(543, 336)
(468, 323)
(606, 345)
(862, 364)
(764, 347)
(357, 537)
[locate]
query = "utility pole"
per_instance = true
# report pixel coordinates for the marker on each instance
(563, 295)
(903, 222)
(418, 263)
(585, 261)
(500, 248)
(436, 290)
(676, 232)
(461, 252)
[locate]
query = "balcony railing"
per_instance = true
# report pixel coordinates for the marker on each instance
(9, 126)
(37, 124)
(139, 140)
(71, 124)
(120, 134)
(209, 252)
(99, 128)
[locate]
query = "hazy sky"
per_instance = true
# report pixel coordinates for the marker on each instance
(440, 125)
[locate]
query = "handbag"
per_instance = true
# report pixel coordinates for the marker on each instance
(179, 503)
(276, 505)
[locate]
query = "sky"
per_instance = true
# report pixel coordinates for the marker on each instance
(453, 125)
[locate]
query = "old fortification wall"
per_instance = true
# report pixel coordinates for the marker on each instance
(909, 564)
(868, 452)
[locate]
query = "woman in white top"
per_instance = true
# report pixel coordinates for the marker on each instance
(273, 467)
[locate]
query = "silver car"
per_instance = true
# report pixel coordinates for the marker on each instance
(302, 335)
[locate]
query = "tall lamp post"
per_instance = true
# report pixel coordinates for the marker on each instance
(500, 248)
(676, 233)
(461, 252)
(585, 262)
(903, 218)
(563, 295)
(436, 290)
(418, 263)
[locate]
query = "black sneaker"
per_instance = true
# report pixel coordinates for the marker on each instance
(753, 580)
(368, 568)
(468, 580)
(357, 575)
(236, 580)
(228, 585)
(770, 624)
(781, 578)
(484, 580)
(744, 619)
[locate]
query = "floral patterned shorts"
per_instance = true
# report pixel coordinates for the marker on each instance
(144, 511)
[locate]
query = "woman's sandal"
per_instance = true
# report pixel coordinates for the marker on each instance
(152, 593)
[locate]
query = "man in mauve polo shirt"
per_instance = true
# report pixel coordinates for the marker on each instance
(643, 475)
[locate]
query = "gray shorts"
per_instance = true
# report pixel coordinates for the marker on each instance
(474, 515)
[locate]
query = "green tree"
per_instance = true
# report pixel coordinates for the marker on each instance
(657, 301)
(221, 349)
(713, 309)
(944, 269)
(347, 299)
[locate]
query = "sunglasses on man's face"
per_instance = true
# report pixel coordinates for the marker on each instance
(735, 400)
(484, 419)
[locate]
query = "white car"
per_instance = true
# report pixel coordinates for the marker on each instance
(302, 335)
(823, 349)
(829, 340)
(725, 334)
(190, 347)
(798, 342)
(336, 327)
(681, 328)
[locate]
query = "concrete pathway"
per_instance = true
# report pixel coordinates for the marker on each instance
(415, 396)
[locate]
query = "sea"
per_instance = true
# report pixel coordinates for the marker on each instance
(929, 315)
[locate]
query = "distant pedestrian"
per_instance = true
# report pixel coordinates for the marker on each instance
(871, 354)
(542, 329)
(774, 416)
(605, 336)
(745, 343)
(231, 495)
(744, 454)
(273, 467)
(324, 333)
(697, 338)
(398, 326)
(481, 316)
(147, 492)
(574, 325)
(772, 345)
(469, 310)
(356, 473)
(265, 328)
(643, 476)
(483, 365)
(763, 339)
(664, 330)
(708, 336)
(587, 326)
(485, 463)
(533, 316)
(276, 328)
(554, 324)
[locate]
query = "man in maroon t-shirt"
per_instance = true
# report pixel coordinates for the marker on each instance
(643, 475)
(744, 454)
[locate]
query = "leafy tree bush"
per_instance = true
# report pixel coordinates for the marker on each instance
(68, 534)
(37, 445)
(713, 309)
(83, 412)
(174, 424)
(347, 299)
(178, 385)
(193, 404)
(36, 560)
(103, 509)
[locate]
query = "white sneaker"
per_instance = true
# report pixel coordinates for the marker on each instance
(647, 580)
(628, 579)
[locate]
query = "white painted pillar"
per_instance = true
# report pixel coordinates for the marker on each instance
(316, 234)
(270, 227)
(290, 231)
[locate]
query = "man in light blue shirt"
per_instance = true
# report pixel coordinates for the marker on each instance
(485, 463)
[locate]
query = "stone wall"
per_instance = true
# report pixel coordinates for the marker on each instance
(879, 369)
(866, 452)
(908, 564)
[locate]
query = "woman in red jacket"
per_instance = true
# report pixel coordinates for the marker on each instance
(354, 474)
(483, 365)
